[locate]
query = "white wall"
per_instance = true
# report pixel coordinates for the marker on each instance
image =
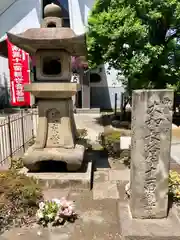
(4, 4)
(109, 77)
(20, 16)
(78, 12)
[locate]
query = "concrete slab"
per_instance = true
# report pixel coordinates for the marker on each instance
(125, 142)
(175, 152)
(174, 126)
(122, 192)
(49, 194)
(88, 110)
(176, 132)
(105, 190)
(90, 123)
(158, 229)
(174, 166)
(101, 176)
(175, 140)
(175, 145)
(63, 180)
(119, 175)
(97, 220)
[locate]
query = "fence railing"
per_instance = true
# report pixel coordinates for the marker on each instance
(17, 131)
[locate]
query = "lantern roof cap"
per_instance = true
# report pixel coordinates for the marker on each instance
(49, 38)
(52, 10)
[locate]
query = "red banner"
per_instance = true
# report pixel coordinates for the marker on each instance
(19, 75)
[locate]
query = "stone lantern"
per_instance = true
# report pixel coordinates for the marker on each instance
(53, 45)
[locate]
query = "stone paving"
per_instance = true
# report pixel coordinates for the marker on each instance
(90, 123)
(97, 220)
(97, 209)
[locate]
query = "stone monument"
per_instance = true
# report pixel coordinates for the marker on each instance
(53, 45)
(146, 215)
(150, 152)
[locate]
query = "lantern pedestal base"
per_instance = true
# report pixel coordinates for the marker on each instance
(73, 158)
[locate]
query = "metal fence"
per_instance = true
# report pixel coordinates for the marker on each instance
(17, 131)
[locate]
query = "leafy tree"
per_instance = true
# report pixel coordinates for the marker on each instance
(139, 38)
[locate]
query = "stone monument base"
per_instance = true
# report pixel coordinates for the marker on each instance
(148, 229)
(72, 157)
(80, 180)
(87, 110)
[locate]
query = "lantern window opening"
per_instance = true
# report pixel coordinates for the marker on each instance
(51, 66)
(51, 25)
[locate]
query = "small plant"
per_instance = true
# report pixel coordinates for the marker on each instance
(174, 186)
(82, 133)
(109, 141)
(16, 163)
(82, 138)
(19, 199)
(56, 211)
(125, 157)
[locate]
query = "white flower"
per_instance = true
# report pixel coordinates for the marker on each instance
(41, 205)
(39, 214)
(57, 218)
(50, 215)
(57, 201)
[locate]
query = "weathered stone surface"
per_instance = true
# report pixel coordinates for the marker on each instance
(88, 110)
(52, 90)
(79, 180)
(148, 229)
(72, 157)
(119, 175)
(56, 126)
(63, 58)
(51, 35)
(101, 176)
(58, 22)
(56, 136)
(53, 47)
(150, 152)
(48, 38)
(52, 10)
(105, 190)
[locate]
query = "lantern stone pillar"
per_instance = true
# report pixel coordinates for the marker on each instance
(53, 45)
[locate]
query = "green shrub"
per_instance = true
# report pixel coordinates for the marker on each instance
(174, 186)
(108, 141)
(19, 199)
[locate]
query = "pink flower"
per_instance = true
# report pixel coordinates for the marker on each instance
(66, 212)
(65, 203)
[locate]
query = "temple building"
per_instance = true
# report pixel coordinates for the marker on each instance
(98, 87)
